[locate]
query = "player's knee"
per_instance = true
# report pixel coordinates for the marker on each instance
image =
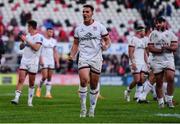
(137, 81)
(170, 80)
(142, 80)
(159, 85)
(93, 86)
(21, 80)
(49, 79)
(84, 80)
(44, 78)
(31, 85)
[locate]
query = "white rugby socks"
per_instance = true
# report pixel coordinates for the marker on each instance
(17, 94)
(93, 98)
(30, 95)
(48, 87)
(83, 95)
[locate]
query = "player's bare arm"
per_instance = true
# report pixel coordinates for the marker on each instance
(21, 46)
(131, 57)
(56, 57)
(153, 49)
(173, 46)
(74, 49)
(35, 46)
(41, 62)
(146, 56)
(106, 42)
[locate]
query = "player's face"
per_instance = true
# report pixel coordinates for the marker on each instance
(50, 32)
(141, 33)
(87, 14)
(30, 28)
(160, 25)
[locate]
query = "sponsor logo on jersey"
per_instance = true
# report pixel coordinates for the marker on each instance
(88, 36)
(94, 28)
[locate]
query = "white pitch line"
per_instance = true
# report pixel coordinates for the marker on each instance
(10, 94)
(168, 115)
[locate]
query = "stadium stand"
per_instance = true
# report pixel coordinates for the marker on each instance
(119, 16)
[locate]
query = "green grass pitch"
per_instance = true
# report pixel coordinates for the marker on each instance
(65, 107)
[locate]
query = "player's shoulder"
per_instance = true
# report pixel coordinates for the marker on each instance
(97, 23)
(154, 32)
(169, 31)
(39, 35)
(146, 38)
(79, 26)
(54, 40)
(132, 39)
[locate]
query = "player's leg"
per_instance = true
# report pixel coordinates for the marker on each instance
(44, 73)
(94, 90)
(148, 86)
(169, 74)
(32, 77)
(49, 83)
(84, 73)
(152, 81)
(164, 89)
(139, 86)
(99, 95)
(22, 77)
(159, 84)
(128, 90)
(139, 92)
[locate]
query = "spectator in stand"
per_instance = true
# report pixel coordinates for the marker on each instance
(2, 30)
(10, 43)
(25, 17)
(63, 37)
(125, 62)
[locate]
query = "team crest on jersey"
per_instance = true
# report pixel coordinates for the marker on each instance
(81, 30)
(94, 28)
(166, 35)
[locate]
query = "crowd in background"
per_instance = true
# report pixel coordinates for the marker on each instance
(112, 64)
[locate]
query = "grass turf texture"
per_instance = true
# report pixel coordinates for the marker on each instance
(65, 107)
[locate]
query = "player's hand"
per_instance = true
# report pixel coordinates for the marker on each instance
(41, 62)
(23, 38)
(57, 65)
(104, 46)
(22, 46)
(133, 66)
(148, 66)
(70, 59)
(165, 47)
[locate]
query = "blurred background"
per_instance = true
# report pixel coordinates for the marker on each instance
(119, 16)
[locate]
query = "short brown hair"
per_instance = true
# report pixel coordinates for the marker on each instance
(89, 6)
(32, 23)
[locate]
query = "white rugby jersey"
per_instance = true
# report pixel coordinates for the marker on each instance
(139, 45)
(31, 56)
(89, 38)
(159, 38)
(47, 51)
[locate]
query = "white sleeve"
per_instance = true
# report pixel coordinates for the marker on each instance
(131, 42)
(76, 33)
(55, 42)
(152, 38)
(146, 41)
(39, 39)
(104, 31)
(173, 37)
